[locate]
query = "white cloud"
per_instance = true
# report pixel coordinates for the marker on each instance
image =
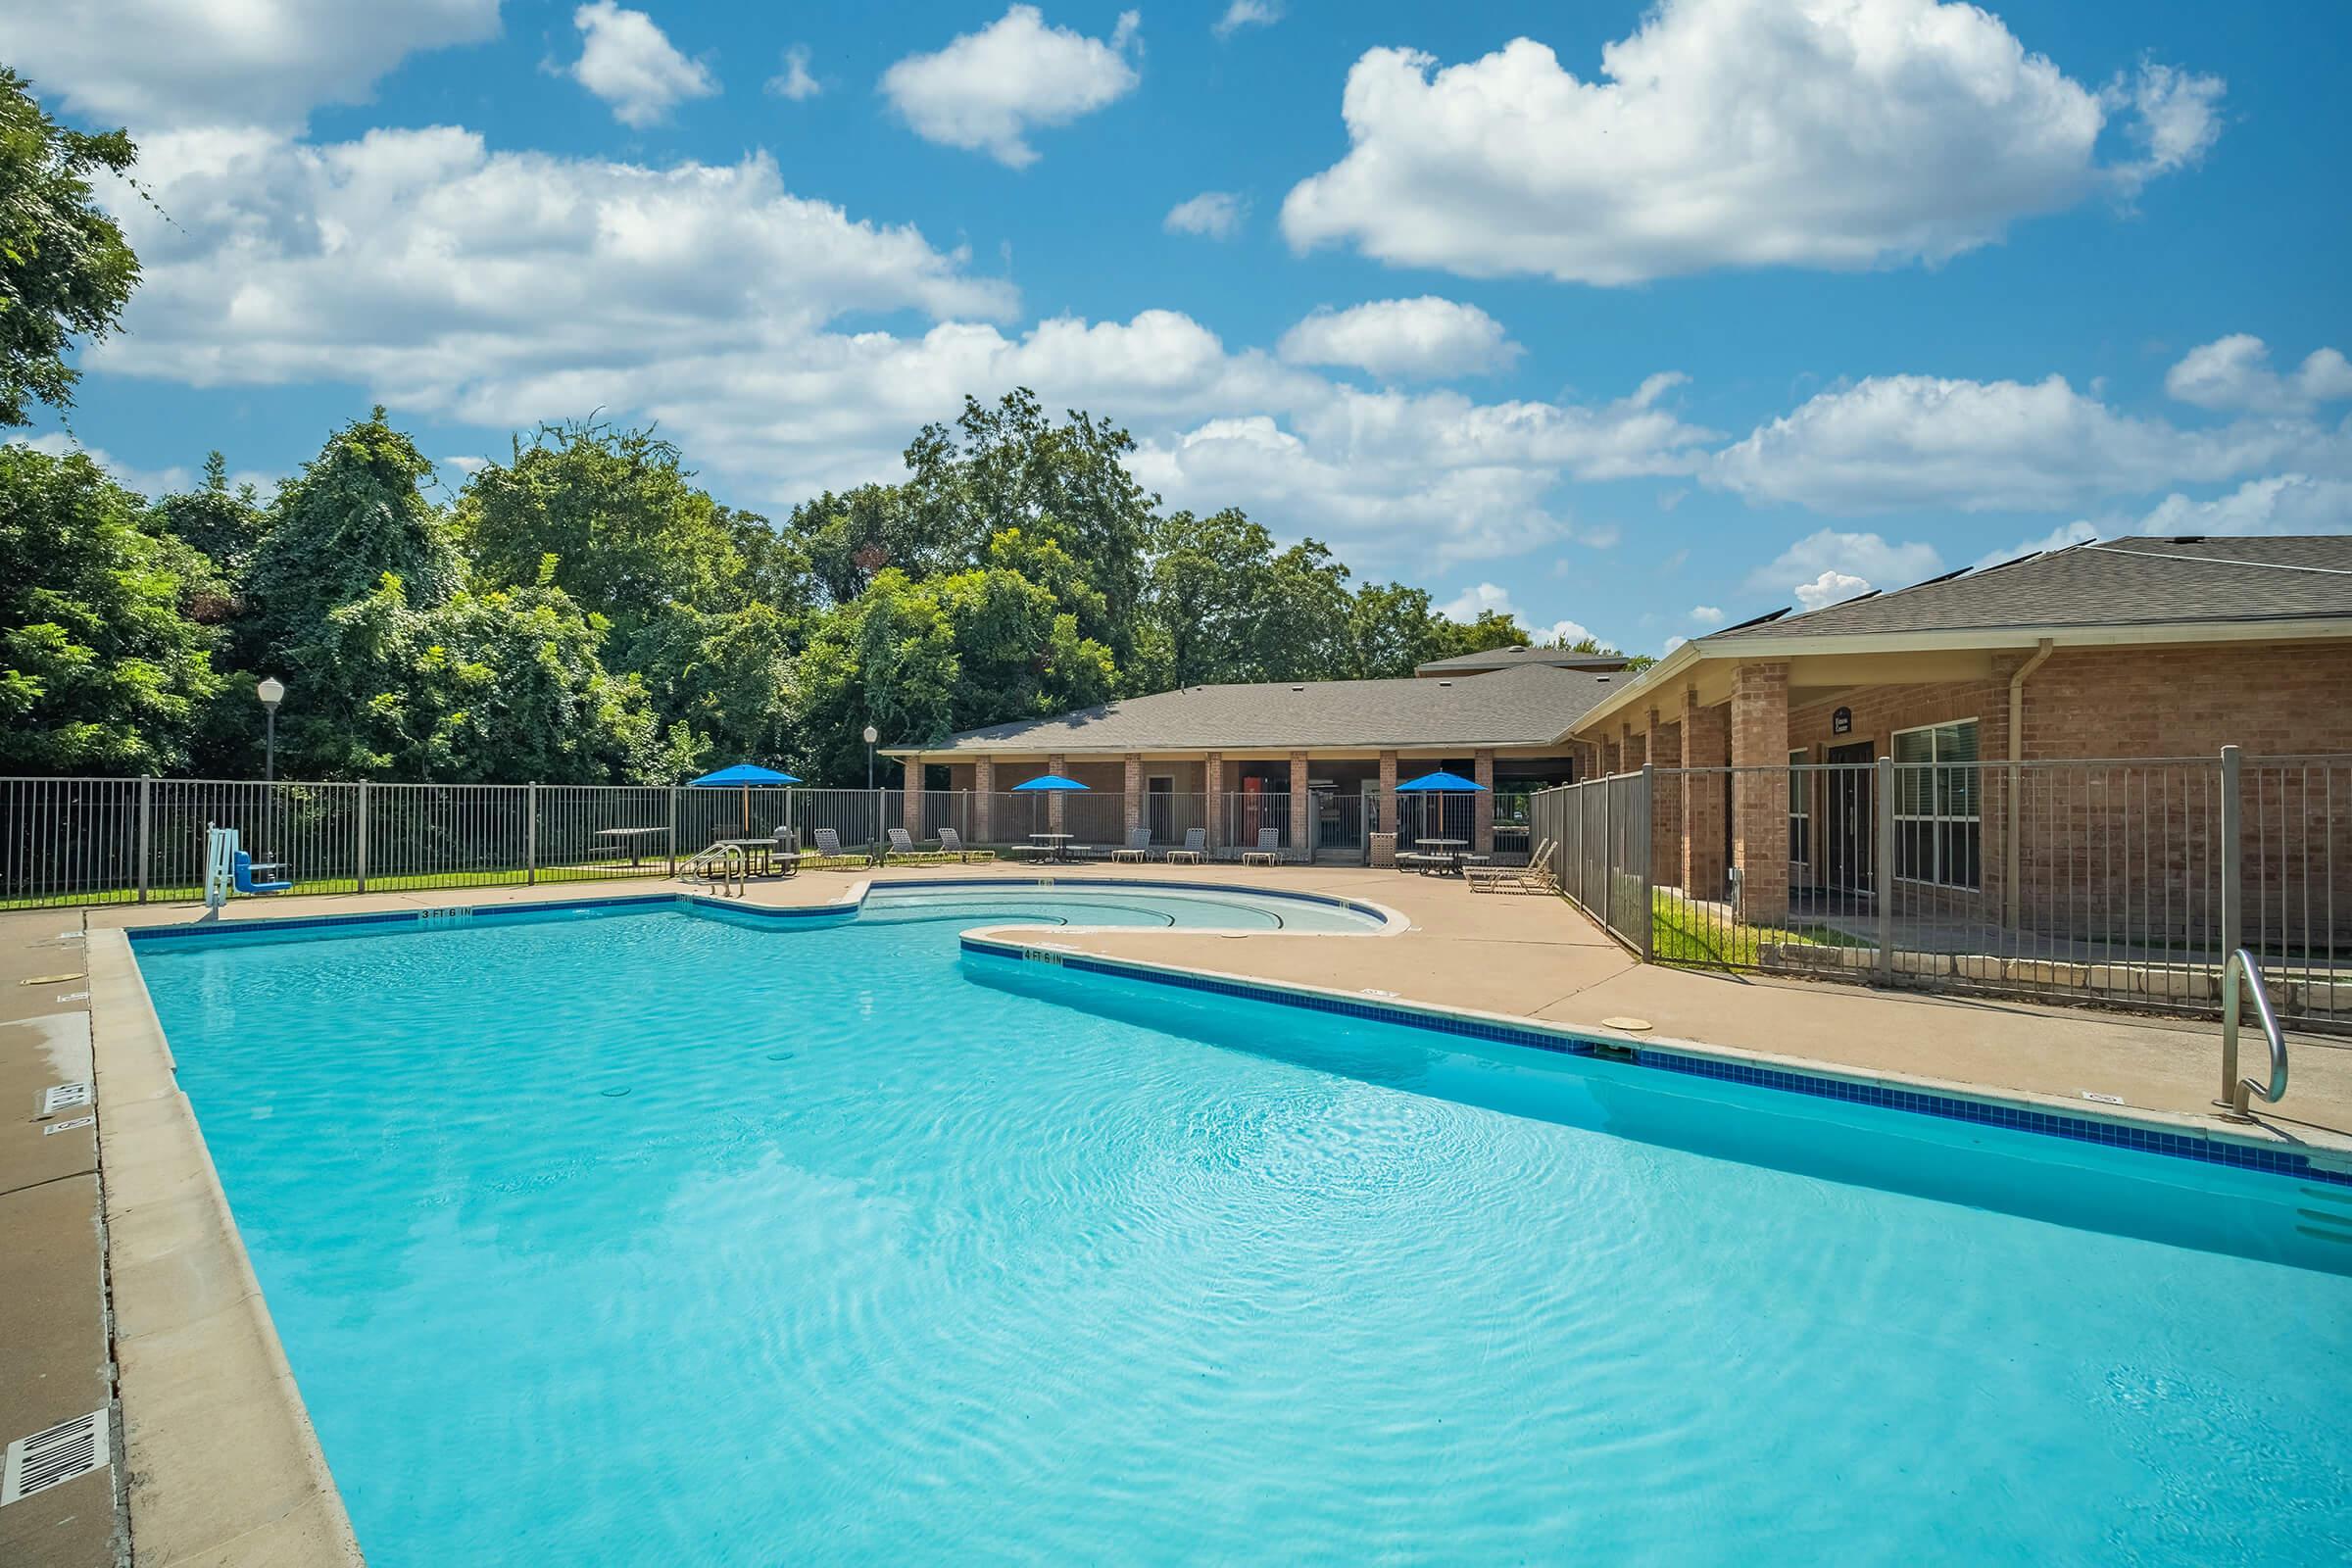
(1830, 588)
(1706, 615)
(1672, 642)
(1426, 337)
(1217, 214)
(465, 465)
(1490, 598)
(1908, 441)
(2235, 373)
(1828, 566)
(160, 64)
(2287, 503)
(793, 81)
(1837, 133)
(986, 89)
(631, 65)
(2078, 532)
(1247, 14)
(153, 483)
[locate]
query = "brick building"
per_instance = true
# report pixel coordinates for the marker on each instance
(2133, 650)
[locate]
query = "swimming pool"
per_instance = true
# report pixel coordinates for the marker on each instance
(668, 1233)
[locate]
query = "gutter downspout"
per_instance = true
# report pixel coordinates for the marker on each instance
(2013, 895)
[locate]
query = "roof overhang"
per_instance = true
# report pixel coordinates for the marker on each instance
(1911, 656)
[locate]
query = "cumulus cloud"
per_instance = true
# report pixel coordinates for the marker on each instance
(986, 89)
(2287, 503)
(159, 64)
(1834, 134)
(631, 65)
(1486, 597)
(1706, 615)
(1247, 14)
(1426, 337)
(2235, 373)
(1830, 588)
(1828, 566)
(1906, 441)
(153, 483)
(1217, 214)
(793, 81)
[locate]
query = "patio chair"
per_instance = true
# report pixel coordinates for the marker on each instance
(952, 842)
(828, 848)
(1269, 850)
(1196, 847)
(1137, 848)
(1532, 877)
(902, 847)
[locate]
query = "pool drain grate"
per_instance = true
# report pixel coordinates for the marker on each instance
(63, 1096)
(51, 1458)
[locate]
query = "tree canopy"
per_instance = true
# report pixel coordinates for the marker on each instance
(65, 272)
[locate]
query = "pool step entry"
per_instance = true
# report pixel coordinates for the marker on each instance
(2325, 1214)
(64, 1452)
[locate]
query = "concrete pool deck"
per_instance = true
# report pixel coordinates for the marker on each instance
(128, 1285)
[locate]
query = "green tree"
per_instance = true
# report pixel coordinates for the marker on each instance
(1488, 632)
(352, 516)
(223, 525)
(1391, 629)
(99, 670)
(630, 532)
(65, 269)
(847, 540)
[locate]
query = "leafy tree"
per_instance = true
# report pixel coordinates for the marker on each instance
(499, 687)
(1391, 630)
(847, 540)
(65, 269)
(1488, 632)
(629, 531)
(223, 525)
(352, 516)
(730, 679)
(99, 670)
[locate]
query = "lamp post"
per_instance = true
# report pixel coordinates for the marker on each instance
(875, 843)
(271, 691)
(871, 735)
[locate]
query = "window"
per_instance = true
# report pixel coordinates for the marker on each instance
(1801, 825)
(1936, 805)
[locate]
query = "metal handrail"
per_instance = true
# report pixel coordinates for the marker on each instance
(734, 866)
(2235, 975)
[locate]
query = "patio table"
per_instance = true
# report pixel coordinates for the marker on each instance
(1054, 844)
(1447, 850)
(632, 835)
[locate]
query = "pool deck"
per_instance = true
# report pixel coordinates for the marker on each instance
(126, 1282)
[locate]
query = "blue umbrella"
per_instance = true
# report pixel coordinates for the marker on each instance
(1048, 781)
(747, 773)
(1438, 783)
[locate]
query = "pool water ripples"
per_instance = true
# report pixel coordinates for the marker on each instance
(890, 1256)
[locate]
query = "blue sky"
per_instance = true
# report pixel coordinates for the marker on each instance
(1633, 320)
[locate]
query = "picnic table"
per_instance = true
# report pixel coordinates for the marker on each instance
(1448, 853)
(1055, 846)
(632, 835)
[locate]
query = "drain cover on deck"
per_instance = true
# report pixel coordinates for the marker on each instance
(1632, 1026)
(54, 1457)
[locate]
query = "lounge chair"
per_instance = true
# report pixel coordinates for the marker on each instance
(1137, 848)
(902, 847)
(1532, 877)
(1196, 847)
(1269, 850)
(828, 848)
(952, 842)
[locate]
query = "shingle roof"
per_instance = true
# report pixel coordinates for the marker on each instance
(1516, 658)
(2121, 582)
(1534, 704)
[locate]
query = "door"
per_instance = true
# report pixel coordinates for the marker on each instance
(1159, 807)
(1846, 821)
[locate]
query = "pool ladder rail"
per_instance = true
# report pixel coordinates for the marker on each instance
(730, 865)
(2241, 976)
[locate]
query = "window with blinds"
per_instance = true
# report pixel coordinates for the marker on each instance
(1936, 812)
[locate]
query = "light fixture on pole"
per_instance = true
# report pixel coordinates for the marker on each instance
(871, 735)
(271, 691)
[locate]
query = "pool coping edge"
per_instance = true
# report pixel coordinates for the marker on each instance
(163, 1194)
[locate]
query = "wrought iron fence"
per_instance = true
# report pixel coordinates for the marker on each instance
(1598, 834)
(2128, 881)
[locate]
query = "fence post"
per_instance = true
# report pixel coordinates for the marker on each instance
(1884, 871)
(361, 859)
(1649, 815)
(146, 831)
(530, 834)
(2233, 908)
(674, 830)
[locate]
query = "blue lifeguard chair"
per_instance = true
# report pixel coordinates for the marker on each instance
(246, 883)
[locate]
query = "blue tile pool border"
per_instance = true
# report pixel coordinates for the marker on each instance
(2110, 1132)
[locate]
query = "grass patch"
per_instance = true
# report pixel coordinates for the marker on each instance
(1682, 934)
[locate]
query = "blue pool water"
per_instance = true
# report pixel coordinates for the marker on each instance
(683, 1237)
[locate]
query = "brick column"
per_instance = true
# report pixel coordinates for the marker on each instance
(1633, 748)
(1387, 792)
(911, 789)
(1302, 808)
(1609, 756)
(1133, 816)
(1212, 785)
(1706, 743)
(984, 798)
(1760, 791)
(1482, 821)
(1054, 765)
(1666, 805)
